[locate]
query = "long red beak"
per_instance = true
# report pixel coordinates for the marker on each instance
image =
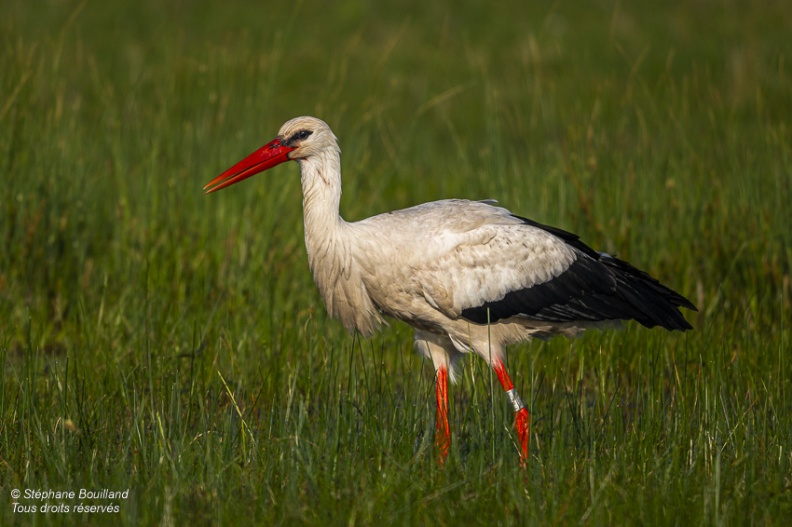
(269, 155)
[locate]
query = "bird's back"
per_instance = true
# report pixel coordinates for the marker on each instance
(475, 261)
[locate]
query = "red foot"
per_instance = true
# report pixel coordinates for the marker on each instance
(442, 430)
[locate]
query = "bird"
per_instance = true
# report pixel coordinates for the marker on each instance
(468, 276)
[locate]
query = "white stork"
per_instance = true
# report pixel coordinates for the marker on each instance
(467, 275)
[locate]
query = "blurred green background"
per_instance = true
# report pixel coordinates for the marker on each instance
(159, 339)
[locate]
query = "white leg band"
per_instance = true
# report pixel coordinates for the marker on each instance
(515, 399)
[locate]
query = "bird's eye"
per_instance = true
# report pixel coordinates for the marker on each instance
(302, 134)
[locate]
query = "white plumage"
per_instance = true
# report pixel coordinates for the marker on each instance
(467, 275)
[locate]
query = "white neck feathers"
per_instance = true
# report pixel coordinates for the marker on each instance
(329, 241)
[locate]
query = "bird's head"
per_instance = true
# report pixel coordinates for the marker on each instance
(299, 138)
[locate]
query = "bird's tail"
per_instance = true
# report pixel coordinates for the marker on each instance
(654, 304)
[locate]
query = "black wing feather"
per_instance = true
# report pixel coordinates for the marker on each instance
(595, 287)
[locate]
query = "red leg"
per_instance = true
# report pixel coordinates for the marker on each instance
(522, 421)
(442, 432)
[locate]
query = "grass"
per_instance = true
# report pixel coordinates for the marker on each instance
(162, 341)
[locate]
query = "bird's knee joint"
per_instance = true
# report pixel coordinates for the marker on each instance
(514, 398)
